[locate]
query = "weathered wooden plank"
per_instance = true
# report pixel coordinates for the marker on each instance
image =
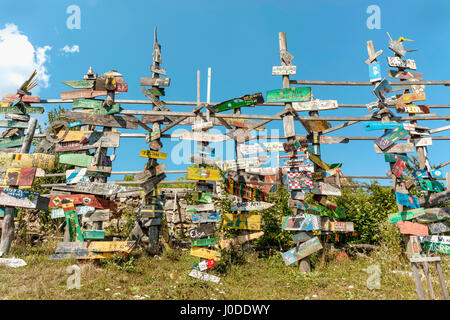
(329, 189)
(96, 188)
(302, 237)
(80, 160)
(92, 140)
(284, 70)
(390, 137)
(396, 148)
(435, 239)
(13, 124)
(328, 225)
(405, 75)
(436, 199)
(316, 125)
(301, 94)
(94, 234)
(435, 214)
(84, 93)
(422, 142)
(5, 107)
(18, 198)
(203, 230)
(152, 154)
(315, 105)
(203, 174)
(305, 222)
(333, 140)
(97, 215)
(24, 160)
(17, 176)
(11, 142)
(250, 206)
(400, 63)
(416, 229)
(302, 251)
(204, 242)
(200, 207)
(406, 215)
(253, 148)
(95, 107)
(151, 183)
(200, 136)
(380, 126)
(205, 253)
(242, 221)
(204, 276)
(102, 120)
(239, 240)
(439, 227)
(164, 82)
(80, 84)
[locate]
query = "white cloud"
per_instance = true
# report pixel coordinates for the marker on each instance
(19, 58)
(73, 49)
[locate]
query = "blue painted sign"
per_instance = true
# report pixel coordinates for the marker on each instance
(205, 217)
(381, 89)
(75, 124)
(374, 72)
(437, 173)
(393, 157)
(407, 200)
(380, 126)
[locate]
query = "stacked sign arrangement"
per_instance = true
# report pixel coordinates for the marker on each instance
(322, 180)
(18, 168)
(151, 210)
(86, 192)
(412, 211)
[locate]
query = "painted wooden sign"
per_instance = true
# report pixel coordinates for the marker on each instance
(396, 148)
(323, 188)
(317, 160)
(438, 247)
(435, 214)
(374, 72)
(97, 188)
(95, 107)
(13, 124)
(203, 174)
(302, 251)
(315, 105)
(437, 173)
(416, 229)
(200, 136)
(411, 108)
(204, 242)
(400, 63)
(284, 70)
(405, 75)
(299, 180)
(393, 157)
(205, 253)
(158, 70)
(406, 215)
(407, 200)
(94, 234)
(80, 160)
(305, 222)
(92, 140)
(82, 199)
(302, 237)
(422, 142)
(338, 237)
(381, 89)
(328, 225)
(17, 109)
(250, 206)
(253, 148)
(204, 276)
(380, 126)
(93, 250)
(244, 191)
(102, 120)
(205, 264)
(316, 125)
(244, 101)
(242, 221)
(433, 186)
(406, 98)
(239, 240)
(435, 239)
(242, 163)
(398, 168)
(203, 230)
(152, 154)
(273, 146)
(81, 210)
(164, 82)
(76, 175)
(18, 198)
(390, 137)
(83, 93)
(202, 197)
(72, 222)
(266, 171)
(17, 176)
(300, 94)
(11, 142)
(202, 125)
(439, 227)
(80, 84)
(23, 98)
(205, 217)
(24, 160)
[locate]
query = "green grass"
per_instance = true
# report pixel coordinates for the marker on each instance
(141, 277)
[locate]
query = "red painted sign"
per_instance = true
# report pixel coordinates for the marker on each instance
(398, 168)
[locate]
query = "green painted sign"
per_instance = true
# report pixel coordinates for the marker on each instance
(81, 84)
(157, 92)
(202, 197)
(302, 94)
(11, 142)
(96, 106)
(94, 234)
(429, 185)
(392, 157)
(13, 124)
(438, 247)
(406, 215)
(21, 109)
(80, 160)
(204, 242)
(244, 101)
(2, 212)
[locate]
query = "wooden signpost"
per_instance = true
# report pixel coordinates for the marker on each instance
(81, 160)
(203, 230)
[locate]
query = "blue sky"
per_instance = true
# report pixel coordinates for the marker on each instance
(239, 41)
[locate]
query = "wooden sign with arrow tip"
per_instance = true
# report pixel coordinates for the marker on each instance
(315, 105)
(205, 253)
(239, 240)
(203, 174)
(244, 101)
(164, 82)
(152, 154)
(400, 63)
(102, 120)
(302, 251)
(24, 160)
(301, 94)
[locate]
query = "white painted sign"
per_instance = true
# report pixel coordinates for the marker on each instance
(251, 148)
(250, 206)
(422, 142)
(273, 146)
(315, 105)
(59, 212)
(204, 276)
(397, 62)
(284, 70)
(241, 164)
(76, 175)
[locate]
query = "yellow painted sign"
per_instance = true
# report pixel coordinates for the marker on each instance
(205, 253)
(317, 160)
(203, 174)
(153, 154)
(242, 221)
(72, 135)
(25, 160)
(111, 246)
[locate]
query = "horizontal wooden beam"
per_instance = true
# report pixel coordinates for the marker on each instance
(367, 83)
